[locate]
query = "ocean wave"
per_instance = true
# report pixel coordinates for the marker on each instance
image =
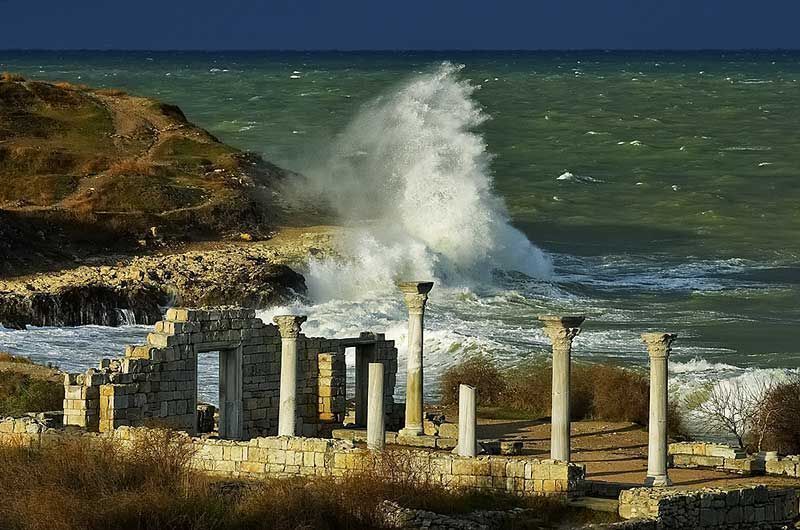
(413, 164)
(699, 365)
(566, 175)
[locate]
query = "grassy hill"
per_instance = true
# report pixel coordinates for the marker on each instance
(85, 171)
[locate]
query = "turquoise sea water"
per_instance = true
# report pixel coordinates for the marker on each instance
(665, 187)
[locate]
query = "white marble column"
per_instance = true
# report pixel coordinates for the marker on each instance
(289, 327)
(561, 330)
(376, 418)
(658, 346)
(416, 296)
(467, 444)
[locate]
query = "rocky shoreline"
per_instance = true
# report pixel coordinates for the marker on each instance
(253, 275)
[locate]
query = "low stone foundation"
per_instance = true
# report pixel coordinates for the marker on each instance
(788, 466)
(715, 456)
(281, 457)
(747, 508)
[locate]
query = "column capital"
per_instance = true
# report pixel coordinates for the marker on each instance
(289, 325)
(562, 328)
(659, 344)
(415, 295)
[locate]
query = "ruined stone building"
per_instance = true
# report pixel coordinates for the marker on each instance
(156, 383)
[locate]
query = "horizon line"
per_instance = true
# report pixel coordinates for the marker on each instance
(396, 50)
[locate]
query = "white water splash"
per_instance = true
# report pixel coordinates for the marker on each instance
(413, 176)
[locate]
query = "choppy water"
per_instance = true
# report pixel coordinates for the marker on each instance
(663, 189)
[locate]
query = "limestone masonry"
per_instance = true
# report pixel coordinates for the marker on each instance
(156, 383)
(747, 508)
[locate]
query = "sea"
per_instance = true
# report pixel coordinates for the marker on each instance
(649, 191)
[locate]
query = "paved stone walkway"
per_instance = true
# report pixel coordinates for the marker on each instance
(613, 452)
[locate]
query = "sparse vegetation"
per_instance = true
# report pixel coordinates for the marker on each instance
(598, 391)
(95, 166)
(96, 483)
(479, 371)
(732, 407)
(21, 393)
(9, 77)
(777, 418)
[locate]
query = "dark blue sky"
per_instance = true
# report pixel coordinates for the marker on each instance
(398, 24)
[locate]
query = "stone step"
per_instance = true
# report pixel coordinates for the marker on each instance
(596, 504)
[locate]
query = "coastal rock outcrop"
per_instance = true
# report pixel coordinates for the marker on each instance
(136, 291)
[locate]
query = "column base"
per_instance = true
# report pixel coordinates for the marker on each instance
(411, 431)
(657, 481)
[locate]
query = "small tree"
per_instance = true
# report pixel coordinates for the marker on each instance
(736, 408)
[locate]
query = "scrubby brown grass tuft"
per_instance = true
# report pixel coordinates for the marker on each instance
(21, 393)
(9, 77)
(66, 85)
(6, 357)
(132, 167)
(598, 391)
(110, 92)
(479, 371)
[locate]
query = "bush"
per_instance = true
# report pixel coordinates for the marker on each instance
(597, 391)
(617, 394)
(778, 412)
(21, 393)
(478, 371)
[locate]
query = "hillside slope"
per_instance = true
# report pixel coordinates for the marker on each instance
(86, 171)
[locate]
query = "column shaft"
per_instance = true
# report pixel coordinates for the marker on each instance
(467, 442)
(416, 296)
(658, 345)
(376, 418)
(561, 330)
(414, 401)
(560, 415)
(287, 413)
(289, 328)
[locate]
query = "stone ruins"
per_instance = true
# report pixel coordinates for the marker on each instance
(283, 410)
(276, 381)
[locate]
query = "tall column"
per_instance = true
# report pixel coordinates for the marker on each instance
(416, 295)
(467, 444)
(561, 330)
(658, 346)
(289, 327)
(376, 418)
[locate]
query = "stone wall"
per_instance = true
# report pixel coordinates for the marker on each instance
(788, 466)
(296, 456)
(747, 508)
(714, 456)
(281, 457)
(156, 383)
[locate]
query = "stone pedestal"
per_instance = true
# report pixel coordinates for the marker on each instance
(467, 443)
(658, 346)
(561, 330)
(289, 327)
(376, 418)
(416, 296)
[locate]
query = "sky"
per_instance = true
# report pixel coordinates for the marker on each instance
(398, 24)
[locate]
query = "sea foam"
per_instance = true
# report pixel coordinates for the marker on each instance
(412, 176)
